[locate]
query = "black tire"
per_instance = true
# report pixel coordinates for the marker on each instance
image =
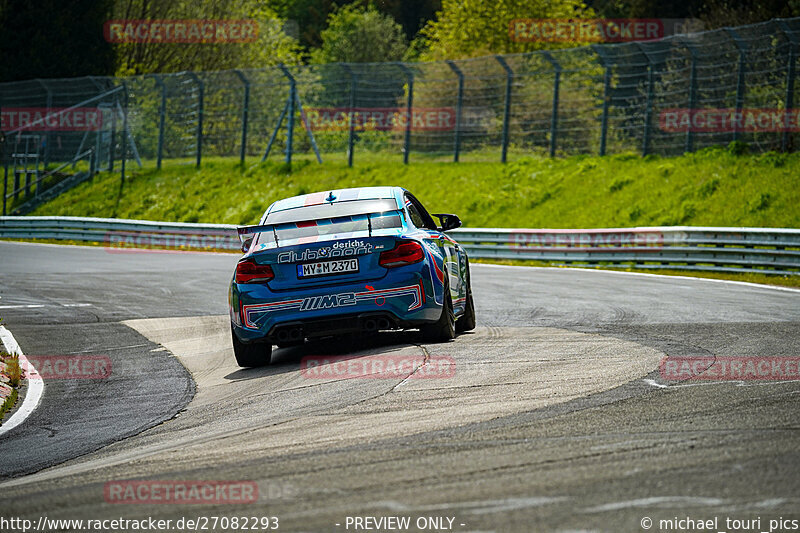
(466, 322)
(251, 355)
(444, 329)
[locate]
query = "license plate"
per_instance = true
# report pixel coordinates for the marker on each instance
(327, 268)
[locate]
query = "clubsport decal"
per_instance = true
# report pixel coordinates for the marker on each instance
(252, 313)
(339, 249)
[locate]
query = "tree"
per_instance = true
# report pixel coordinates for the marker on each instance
(311, 16)
(45, 39)
(358, 35)
(470, 28)
(713, 13)
(272, 46)
(412, 15)
(721, 13)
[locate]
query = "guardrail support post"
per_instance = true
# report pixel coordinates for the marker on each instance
(742, 47)
(459, 107)
(162, 111)
(245, 111)
(351, 114)
(506, 106)
(788, 102)
(409, 113)
(648, 110)
(200, 97)
(554, 112)
(606, 97)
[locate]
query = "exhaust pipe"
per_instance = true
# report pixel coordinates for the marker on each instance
(283, 335)
(370, 325)
(295, 334)
(383, 323)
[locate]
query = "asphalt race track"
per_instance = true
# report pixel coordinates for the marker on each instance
(556, 419)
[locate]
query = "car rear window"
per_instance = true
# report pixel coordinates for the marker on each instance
(330, 227)
(332, 210)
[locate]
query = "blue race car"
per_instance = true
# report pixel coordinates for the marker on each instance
(347, 261)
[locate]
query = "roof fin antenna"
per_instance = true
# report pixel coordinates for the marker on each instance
(330, 197)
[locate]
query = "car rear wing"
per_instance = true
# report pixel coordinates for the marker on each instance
(377, 220)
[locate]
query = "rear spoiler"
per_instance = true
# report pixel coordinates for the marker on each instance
(243, 231)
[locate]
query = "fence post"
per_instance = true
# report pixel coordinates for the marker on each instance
(5, 183)
(245, 111)
(162, 111)
(459, 106)
(277, 127)
(606, 64)
(46, 135)
(5, 165)
(648, 110)
(200, 94)
(742, 47)
(409, 116)
(788, 102)
(506, 106)
(112, 146)
(689, 144)
(124, 131)
(351, 114)
(554, 112)
(290, 111)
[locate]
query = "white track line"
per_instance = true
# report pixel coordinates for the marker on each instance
(35, 385)
(647, 274)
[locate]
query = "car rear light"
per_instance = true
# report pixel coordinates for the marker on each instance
(248, 271)
(404, 253)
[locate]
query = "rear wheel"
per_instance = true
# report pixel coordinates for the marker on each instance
(251, 355)
(466, 322)
(443, 329)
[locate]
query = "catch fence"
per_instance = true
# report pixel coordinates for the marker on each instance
(665, 97)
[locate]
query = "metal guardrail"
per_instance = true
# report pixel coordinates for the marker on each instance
(763, 250)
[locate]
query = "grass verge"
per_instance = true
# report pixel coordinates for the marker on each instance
(712, 187)
(13, 372)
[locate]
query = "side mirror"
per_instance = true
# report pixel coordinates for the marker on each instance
(246, 244)
(448, 221)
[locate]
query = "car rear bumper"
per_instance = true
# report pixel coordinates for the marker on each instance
(259, 314)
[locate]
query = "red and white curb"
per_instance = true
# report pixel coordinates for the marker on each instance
(35, 386)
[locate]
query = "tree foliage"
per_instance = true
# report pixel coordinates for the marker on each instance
(311, 16)
(470, 28)
(51, 39)
(713, 13)
(273, 45)
(358, 35)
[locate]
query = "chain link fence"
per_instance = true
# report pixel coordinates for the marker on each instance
(642, 97)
